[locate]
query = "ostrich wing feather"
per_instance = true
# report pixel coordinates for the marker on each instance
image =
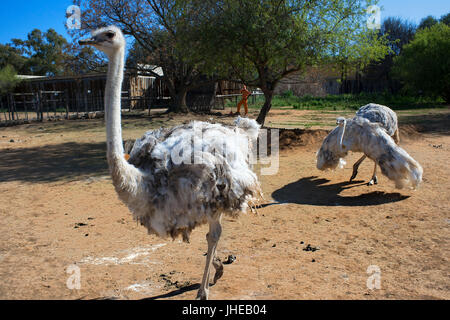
(191, 172)
(383, 115)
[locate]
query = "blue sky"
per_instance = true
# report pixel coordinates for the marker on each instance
(19, 17)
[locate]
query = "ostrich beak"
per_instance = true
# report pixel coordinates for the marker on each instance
(91, 41)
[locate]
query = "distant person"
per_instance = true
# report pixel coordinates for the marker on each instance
(245, 94)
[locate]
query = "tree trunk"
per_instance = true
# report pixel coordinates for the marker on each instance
(178, 104)
(446, 96)
(213, 96)
(268, 95)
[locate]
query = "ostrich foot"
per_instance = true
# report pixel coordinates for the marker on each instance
(254, 209)
(355, 173)
(373, 181)
(219, 269)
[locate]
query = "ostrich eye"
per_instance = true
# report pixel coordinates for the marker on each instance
(110, 34)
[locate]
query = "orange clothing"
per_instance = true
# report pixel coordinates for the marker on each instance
(245, 94)
(242, 102)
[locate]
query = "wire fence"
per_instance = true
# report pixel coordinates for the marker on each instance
(19, 108)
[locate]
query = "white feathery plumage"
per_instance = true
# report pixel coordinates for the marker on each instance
(383, 115)
(370, 132)
(182, 177)
(215, 175)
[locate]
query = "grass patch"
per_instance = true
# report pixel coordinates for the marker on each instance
(347, 101)
(354, 102)
(304, 125)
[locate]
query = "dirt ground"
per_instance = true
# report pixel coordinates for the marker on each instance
(314, 237)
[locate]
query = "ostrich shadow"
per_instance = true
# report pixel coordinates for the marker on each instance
(315, 191)
(54, 163)
(176, 292)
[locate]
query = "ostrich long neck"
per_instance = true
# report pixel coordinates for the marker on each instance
(342, 124)
(113, 104)
(125, 176)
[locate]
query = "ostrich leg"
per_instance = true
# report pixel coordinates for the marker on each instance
(374, 177)
(213, 236)
(356, 166)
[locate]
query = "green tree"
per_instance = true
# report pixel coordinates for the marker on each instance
(264, 41)
(427, 22)
(398, 33)
(48, 54)
(156, 26)
(44, 52)
(424, 65)
(445, 19)
(8, 79)
(12, 57)
(82, 60)
(355, 56)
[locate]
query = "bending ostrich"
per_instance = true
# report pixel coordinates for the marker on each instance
(387, 119)
(170, 187)
(361, 135)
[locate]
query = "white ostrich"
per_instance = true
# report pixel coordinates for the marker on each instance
(168, 187)
(371, 138)
(387, 119)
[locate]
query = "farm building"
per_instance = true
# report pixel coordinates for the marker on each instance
(39, 97)
(86, 92)
(326, 80)
(78, 94)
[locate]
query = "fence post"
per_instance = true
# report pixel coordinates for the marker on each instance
(77, 96)
(48, 106)
(15, 113)
(66, 98)
(11, 107)
(36, 102)
(149, 105)
(55, 102)
(40, 115)
(8, 101)
(1, 107)
(85, 98)
(25, 106)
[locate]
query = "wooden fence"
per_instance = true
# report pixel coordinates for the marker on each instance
(18, 108)
(65, 97)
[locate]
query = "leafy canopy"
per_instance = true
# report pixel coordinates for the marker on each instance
(424, 64)
(8, 79)
(260, 42)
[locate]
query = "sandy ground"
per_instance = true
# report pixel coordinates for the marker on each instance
(59, 209)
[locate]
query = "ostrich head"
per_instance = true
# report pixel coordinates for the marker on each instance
(333, 149)
(108, 39)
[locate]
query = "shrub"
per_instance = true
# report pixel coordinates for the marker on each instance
(424, 65)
